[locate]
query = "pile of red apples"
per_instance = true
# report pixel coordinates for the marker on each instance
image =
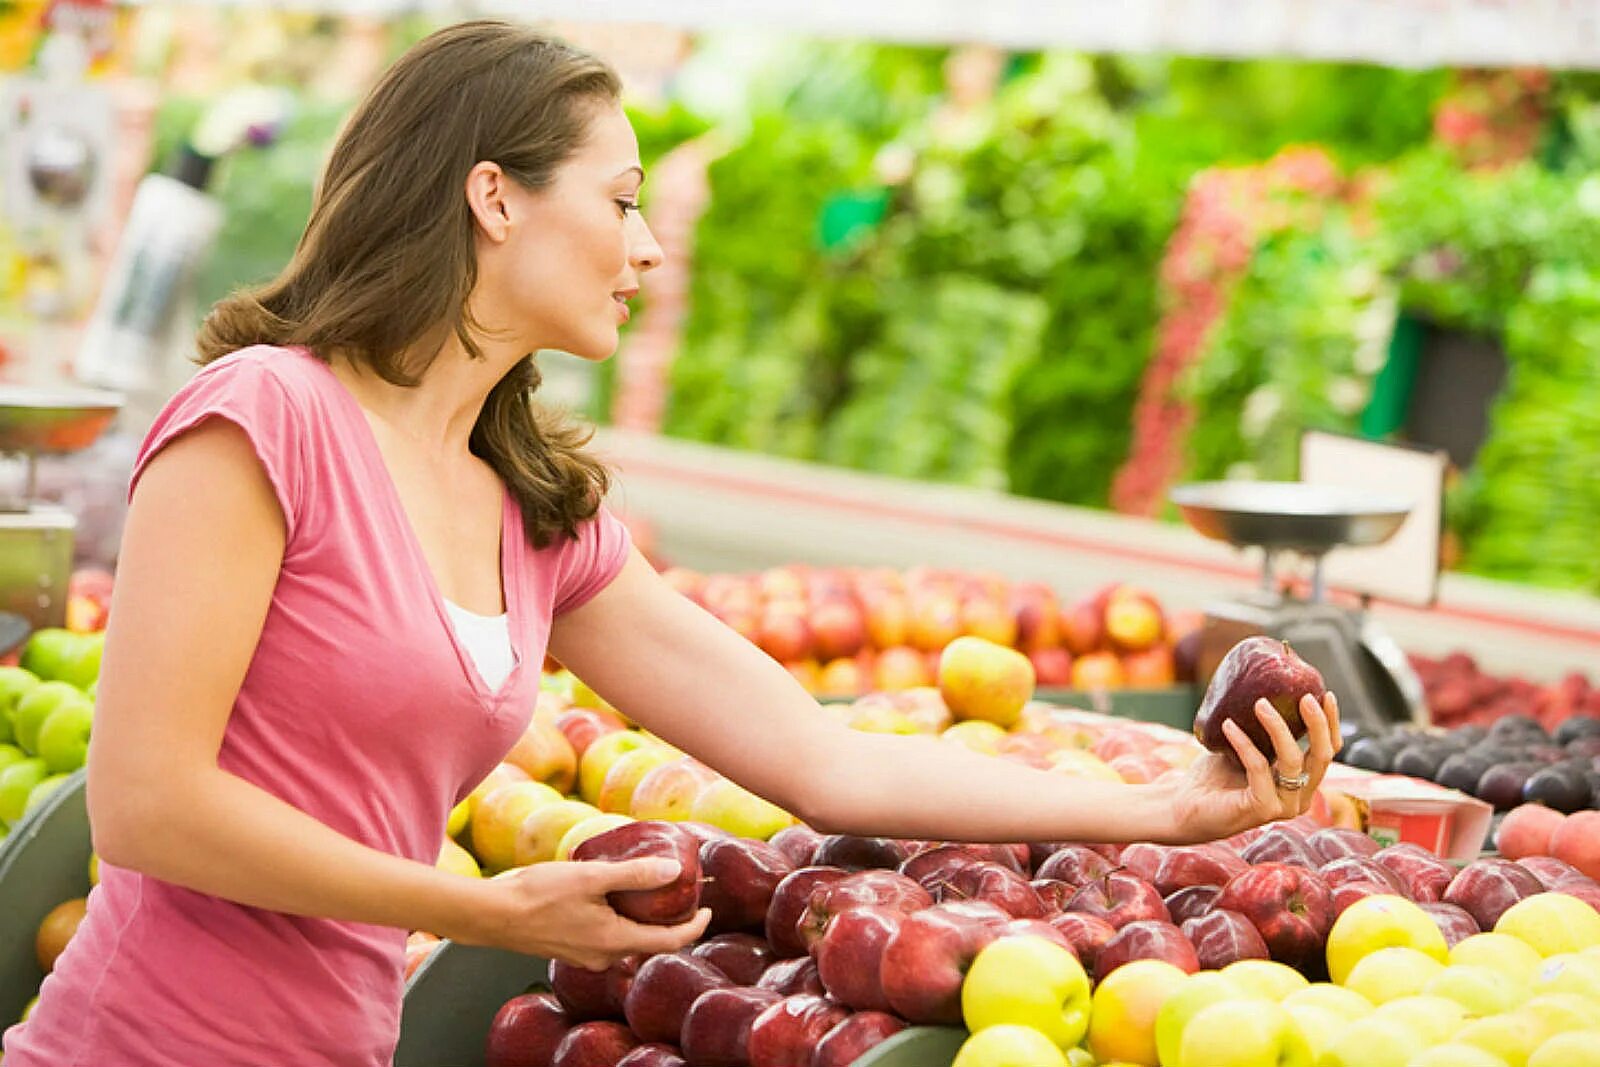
(843, 631)
(1459, 692)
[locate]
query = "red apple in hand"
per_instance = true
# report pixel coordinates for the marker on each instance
(588, 995)
(663, 991)
(1487, 888)
(1120, 899)
(744, 958)
(1075, 865)
(997, 885)
(1290, 907)
(926, 960)
(793, 976)
(789, 902)
(672, 903)
(1257, 668)
(740, 875)
(1191, 902)
(716, 1032)
(1220, 937)
(526, 1031)
(1085, 934)
(850, 955)
(1146, 940)
(1424, 875)
(1196, 865)
(594, 1044)
(786, 1033)
(853, 1038)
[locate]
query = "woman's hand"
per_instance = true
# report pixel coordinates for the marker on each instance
(559, 911)
(1222, 795)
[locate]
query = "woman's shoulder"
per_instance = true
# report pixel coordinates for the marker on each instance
(295, 374)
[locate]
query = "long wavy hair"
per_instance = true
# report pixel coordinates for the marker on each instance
(386, 265)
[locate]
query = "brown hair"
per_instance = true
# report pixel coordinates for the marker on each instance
(384, 269)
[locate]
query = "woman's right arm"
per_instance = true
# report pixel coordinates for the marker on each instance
(200, 558)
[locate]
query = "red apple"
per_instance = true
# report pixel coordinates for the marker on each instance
(590, 994)
(663, 991)
(1338, 841)
(741, 876)
(526, 1031)
(1220, 937)
(853, 1038)
(1000, 886)
(793, 976)
(1037, 614)
(1195, 865)
(830, 899)
(744, 958)
(900, 668)
(582, 725)
(1052, 667)
(1147, 940)
(888, 619)
(1279, 844)
(1191, 902)
(1526, 831)
(1577, 841)
(934, 866)
(1290, 907)
(1487, 888)
(594, 1044)
(1358, 869)
(859, 853)
(1053, 894)
(716, 1031)
(1553, 872)
(1120, 899)
(1424, 875)
(1152, 668)
(673, 903)
(790, 900)
(838, 628)
(1142, 859)
(798, 843)
(935, 621)
(1083, 622)
(926, 960)
(788, 1032)
(654, 1054)
(1455, 923)
(1257, 668)
(784, 634)
(850, 955)
(1347, 893)
(1075, 865)
(1087, 934)
(1036, 928)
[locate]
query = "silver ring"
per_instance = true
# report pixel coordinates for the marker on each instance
(1299, 781)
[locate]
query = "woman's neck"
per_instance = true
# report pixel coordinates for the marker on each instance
(441, 410)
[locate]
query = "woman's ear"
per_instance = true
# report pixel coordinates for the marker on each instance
(487, 188)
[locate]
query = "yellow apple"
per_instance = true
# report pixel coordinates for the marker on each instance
(1563, 1011)
(1080, 1057)
(1391, 973)
(1377, 922)
(1320, 1026)
(1196, 994)
(590, 827)
(457, 860)
(1075, 763)
(1345, 1003)
(542, 830)
(1122, 1024)
(1552, 923)
(503, 774)
(1243, 1033)
(1578, 1048)
(494, 827)
(1374, 1042)
(1512, 1036)
(1512, 957)
(1009, 1046)
(597, 759)
(1435, 1018)
(740, 812)
(1567, 973)
(1266, 978)
(977, 735)
(667, 792)
(94, 868)
(1028, 981)
(616, 791)
(544, 752)
(1455, 1054)
(1481, 990)
(458, 819)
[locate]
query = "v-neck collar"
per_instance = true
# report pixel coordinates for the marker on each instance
(510, 554)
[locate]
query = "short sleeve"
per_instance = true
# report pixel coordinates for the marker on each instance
(591, 560)
(245, 392)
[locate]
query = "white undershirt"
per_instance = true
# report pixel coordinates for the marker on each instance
(487, 639)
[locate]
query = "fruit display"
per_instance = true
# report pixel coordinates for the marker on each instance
(1512, 761)
(46, 711)
(1458, 692)
(844, 631)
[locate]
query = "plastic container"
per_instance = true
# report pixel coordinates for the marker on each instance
(43, 862)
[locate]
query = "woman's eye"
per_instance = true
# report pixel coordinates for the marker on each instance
(627, 205)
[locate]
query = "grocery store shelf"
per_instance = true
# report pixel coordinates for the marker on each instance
(717, 509)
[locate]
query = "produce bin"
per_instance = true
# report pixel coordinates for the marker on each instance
(43, 862)
(452, 998)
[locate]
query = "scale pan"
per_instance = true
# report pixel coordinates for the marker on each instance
(53, 421)
(1294, 516)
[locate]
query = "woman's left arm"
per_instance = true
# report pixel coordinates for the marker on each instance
(702, 687)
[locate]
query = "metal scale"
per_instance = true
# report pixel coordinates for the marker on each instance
(36, 538)
(1358, 660)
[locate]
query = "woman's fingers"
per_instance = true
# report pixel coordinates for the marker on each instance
(1258, 772)
(1288, 758)
(1330, 709)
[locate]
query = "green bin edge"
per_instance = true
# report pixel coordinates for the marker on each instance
(43, 862)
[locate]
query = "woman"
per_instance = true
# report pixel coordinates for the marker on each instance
(351, 542)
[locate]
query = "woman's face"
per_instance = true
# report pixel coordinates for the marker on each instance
(556, 266)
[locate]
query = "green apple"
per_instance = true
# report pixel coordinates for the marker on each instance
(1346, 1003)
(1512, 1036)
(1578, 1048)
(16, 782)
(1266, 978)
(1374, 1042)
(50, 653)
(10, 754)
(1028, 981)
(1552, 923)
(33, 709)
(1378, 922)
(590, 827)
(64, 737)
(1009, 1046)
(15, 683)
(1243, 1033)
(1568, 973)
(82, 669)
(1481, 990)
(737, 810)
(1455, 1054)
(1391, 973)
(597, 759)
(41, 792)
(1435, 1018)
(1198, 992)
(1512, 957)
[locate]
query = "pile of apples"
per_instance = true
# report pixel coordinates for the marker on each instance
(46, 711)
(823, 946)
(1566, 848)
(1458, 692)
(844, 632)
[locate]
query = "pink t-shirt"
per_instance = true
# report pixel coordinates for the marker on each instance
(360, 707)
